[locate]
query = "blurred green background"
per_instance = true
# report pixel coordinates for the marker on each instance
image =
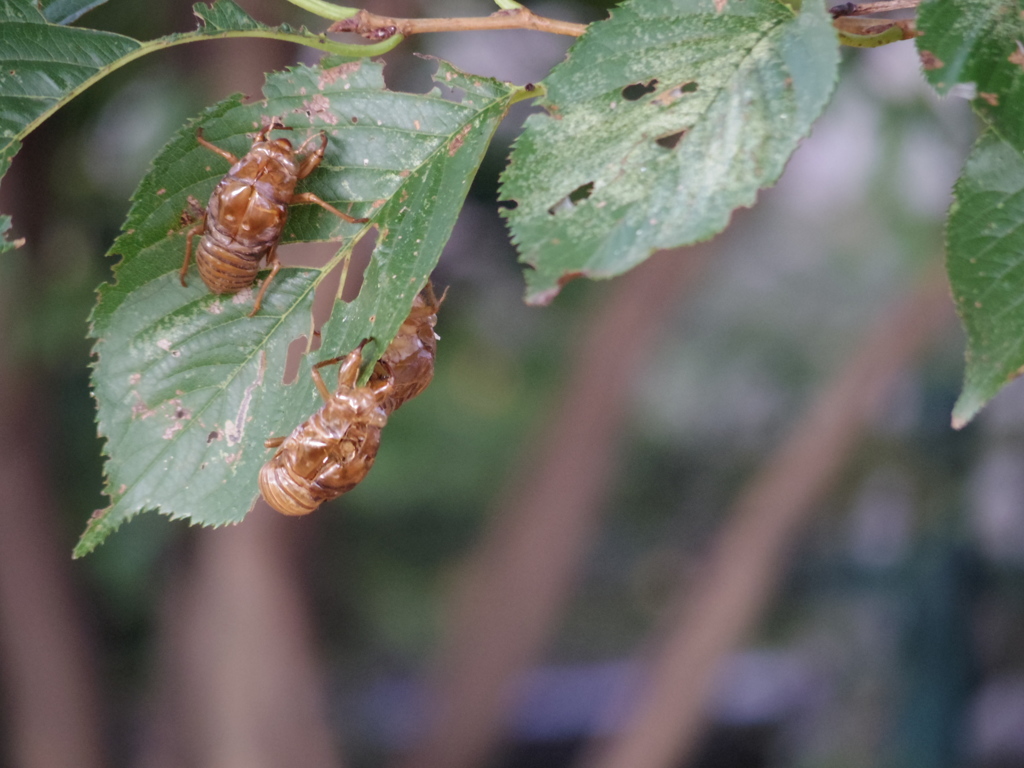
(892, 636)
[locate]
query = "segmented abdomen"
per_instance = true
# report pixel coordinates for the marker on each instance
(285, 493)
(319, 461)
(226, 268)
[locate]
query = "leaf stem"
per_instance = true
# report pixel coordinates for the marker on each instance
(871, 33)
(320, 42)
(374, 27)
(325, 9)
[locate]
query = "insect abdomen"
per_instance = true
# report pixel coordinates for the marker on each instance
(323, 458)
(283, 491)
(226, 269)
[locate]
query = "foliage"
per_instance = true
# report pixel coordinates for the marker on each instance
(982, 43)
(662, 120)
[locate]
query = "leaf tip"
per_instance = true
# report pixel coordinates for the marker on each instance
(544, 296)
(95, 533)
(965, 409)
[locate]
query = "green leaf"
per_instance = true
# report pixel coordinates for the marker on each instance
(661, 122)
(188, 387)
(226, 16)
(43, 66)
(6, 153)
(985, 255)
(5, 244)
(980, 42)
(67, 11)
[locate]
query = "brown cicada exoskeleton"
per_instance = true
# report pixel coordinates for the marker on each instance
(331, 452)
(409, 359)
(248, 210)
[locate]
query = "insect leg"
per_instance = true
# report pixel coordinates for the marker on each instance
(275, 124)
(197, 229)
(214, 148)
(309, 197)
(348, 371)
(313, 158)
(318, 380)
(273, 442)
(275, 266)
(430, 298)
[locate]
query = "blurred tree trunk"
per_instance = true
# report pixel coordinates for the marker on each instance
(515, 582)
(238, 683)
(708, 619)
(47, 657)
(46, 653)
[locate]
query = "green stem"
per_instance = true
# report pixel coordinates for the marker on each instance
(320, 42)
(325, 9)
(507, 5)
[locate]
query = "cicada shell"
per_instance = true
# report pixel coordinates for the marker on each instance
(409, 358)
(248, 209)
(333, 450)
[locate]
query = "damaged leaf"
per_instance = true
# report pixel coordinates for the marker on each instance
(188, 387)
(669, 116)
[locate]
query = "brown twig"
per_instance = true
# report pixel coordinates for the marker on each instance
(374, 27)
(864, 9)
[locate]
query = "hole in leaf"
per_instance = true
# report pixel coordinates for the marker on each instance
(638, 90)
(670, 141)
(571, 200)
(581, 192)
(672, 95)
(508, 205)
(296, 349)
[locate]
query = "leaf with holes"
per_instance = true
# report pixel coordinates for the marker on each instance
(188, 386)
(661, 122)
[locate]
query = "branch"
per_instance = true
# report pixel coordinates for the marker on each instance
(863, 9)
(374, 27)
(871, 33)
